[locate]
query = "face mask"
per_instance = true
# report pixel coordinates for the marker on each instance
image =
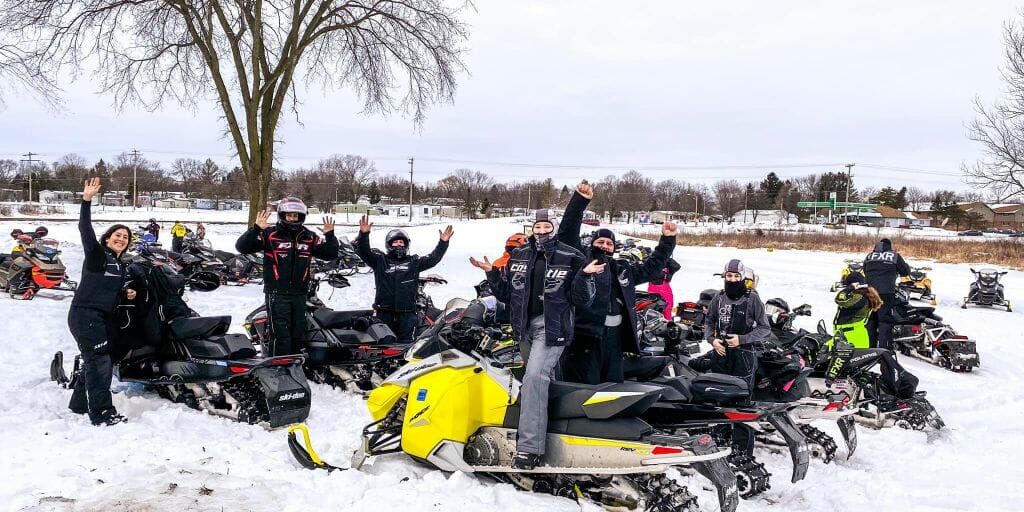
(735, 289)
(545, 241)
(397, 252)
(600, 255)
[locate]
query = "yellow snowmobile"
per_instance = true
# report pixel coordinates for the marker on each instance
(918, 283)
(852, 265)
(455, 407)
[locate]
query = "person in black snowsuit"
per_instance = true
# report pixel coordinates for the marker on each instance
(91, 317)
(736, 326)
(288, 251)
(607, 329)
(882, 267)
(544, 283)
(396, 275)
(153, 228)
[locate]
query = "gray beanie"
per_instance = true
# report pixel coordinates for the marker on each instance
(734, 266)
(546, 216)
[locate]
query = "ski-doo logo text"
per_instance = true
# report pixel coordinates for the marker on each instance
(517, 267)
(292, 396)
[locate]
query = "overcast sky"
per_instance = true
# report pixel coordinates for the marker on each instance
(677, 89)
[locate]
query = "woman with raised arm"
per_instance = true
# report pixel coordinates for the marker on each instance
(91, 317)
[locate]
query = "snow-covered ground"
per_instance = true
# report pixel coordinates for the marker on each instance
(168, 457)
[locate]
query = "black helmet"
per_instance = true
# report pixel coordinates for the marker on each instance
(291, 204)
(705, 297)
(397, 234)
(776, 310)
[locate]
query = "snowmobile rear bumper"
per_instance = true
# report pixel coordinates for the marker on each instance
(286, 392)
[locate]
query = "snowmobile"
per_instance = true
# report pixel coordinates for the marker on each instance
(350, 350)
(918, 283)
(241, 268)
(884, 398)
(692, 403)
(455, 408)
(658, 336)
(198, 255)
(35, 266)
(919, 332)
(783, 373)
(986, 290)
(347, 259)
(852, 265)
(192, 360)
(692, 314)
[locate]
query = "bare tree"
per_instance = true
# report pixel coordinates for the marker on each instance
(999, 128)
(729, 197)
(399, 55)
(917, 198)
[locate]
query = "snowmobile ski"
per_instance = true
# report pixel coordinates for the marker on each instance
(849, 430)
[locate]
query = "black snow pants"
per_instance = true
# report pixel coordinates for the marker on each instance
(595, 359)
(403, 324)
(879, 324)
(287, 312)
(95, 332)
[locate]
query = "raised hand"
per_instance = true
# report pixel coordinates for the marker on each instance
(364, 224)
(484, 265)
(594, 268)
(328, 225)
(669, 229)
(92, 187)
(446, 234)
(584, 189)
(261, 219)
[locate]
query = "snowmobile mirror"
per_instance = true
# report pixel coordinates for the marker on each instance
(338, 281)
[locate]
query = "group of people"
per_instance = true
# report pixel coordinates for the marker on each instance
(178, 233)
(570, 305)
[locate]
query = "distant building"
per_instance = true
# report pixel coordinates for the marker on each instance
(1008, 216)
(57, 196)
(764, 217)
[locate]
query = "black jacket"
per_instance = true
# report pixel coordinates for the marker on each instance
(103, 272)
(619, 279)
(565, 287)
(882, 266)
(287, 255)
(396, 279)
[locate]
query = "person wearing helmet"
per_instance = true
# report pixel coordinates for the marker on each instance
(545, 282)
(856, 302)
(178, 232)
(396, 273)
(882, 267)
(153, 228)
(288, 250)
(200, 231)
(736, 326)
(608, 328)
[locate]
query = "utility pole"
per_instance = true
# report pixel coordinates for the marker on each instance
(30, 160)
(411, 159)
(696, 212)
(849, 179)
(528, 200)
(135, 178)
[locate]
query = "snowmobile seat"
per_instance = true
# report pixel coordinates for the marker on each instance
(329, 318)
(227, 346)
(199, 327)
(601, 401)
(625, 429)
(719, 389)
(644, 368)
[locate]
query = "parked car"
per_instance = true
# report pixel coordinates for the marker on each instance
(1007, 231)
(1018, 234)
(991, 230)
(592, 222)
(915, 226)
(971, 232)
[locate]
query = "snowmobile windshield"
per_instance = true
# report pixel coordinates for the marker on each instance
(987, 275)
(46, 247)
(431, 341)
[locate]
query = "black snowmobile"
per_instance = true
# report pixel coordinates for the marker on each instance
(692, 314)
(986, 290)
(351, 350)
(716, 404)
(241, 268)
(347, 261)
(883, 398)
(919, 332)
(198, 255)
(193, 360)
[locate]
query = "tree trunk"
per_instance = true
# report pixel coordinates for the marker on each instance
(259, 189)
